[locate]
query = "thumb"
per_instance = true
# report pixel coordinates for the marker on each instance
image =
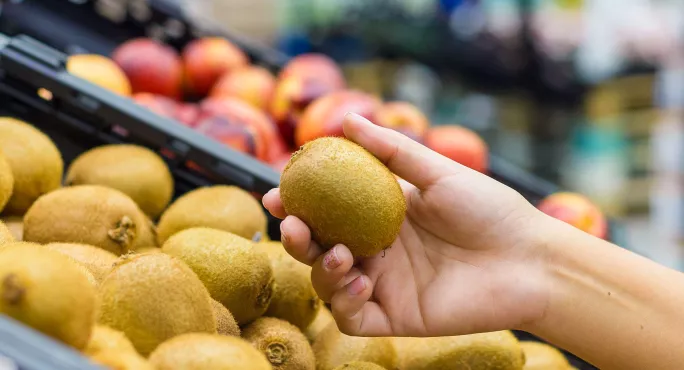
(405, 157)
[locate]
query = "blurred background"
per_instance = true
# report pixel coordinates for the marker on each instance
(585, 94)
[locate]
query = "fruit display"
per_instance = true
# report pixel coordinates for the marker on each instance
(195, 287)
(186, 283)
(214, 87)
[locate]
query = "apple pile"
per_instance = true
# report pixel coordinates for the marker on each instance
(212, 87)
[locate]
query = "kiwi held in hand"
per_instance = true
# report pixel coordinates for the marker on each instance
(486, 351)
(235, 272)
(6, 181)
(285, 347)
(36, 163)
(134, 170)
(153, 297)
(294, 298)
(47, 291)
(97, 260)
(196, 351)
(225, 322)
(344, 194)
(226, 208)
(85, 214)
(333, 348)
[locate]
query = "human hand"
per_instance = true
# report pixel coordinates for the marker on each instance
(469, 257)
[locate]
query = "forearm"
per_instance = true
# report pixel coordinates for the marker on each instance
(609, 306)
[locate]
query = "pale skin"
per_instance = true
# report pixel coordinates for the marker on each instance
(474, 256)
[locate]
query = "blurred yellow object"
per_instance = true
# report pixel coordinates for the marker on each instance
(540, 356)
(101, 71)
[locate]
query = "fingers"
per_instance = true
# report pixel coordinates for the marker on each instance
(332, 271)
(406, 158)
(296, 238)
(273, 204)
(355, 314)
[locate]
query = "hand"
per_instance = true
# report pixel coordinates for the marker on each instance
(469, 257)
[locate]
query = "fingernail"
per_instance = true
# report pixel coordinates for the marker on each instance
(357, 286)
(330, 261)
(355, 117)
(283, 236)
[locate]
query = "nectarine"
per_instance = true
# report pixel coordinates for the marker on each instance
(325, 115)
(241, 113)
(253, 84)
(576, 210)
(314, 65)
(237, 136)
(101, 71)
(460, 144)
(292, 96)
(159, 104)
(205, 60)
(150, 67)
(403, 117)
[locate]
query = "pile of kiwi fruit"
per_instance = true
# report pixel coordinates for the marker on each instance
(99, 256)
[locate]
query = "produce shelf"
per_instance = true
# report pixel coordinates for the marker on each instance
(77, 115)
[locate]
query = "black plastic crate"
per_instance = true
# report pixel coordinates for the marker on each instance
(78, 116)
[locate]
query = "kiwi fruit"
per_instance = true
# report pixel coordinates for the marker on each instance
(485, 351)
(237, 274)
(294, 298)
(323, 318)
(47, 291)
(226, 208)
(541, 356)
(284, 345)
(104, 338)
(97, 260)
(152, 297)
(114, 360)
(136, 171)
(225, 322)
(36, 163)
(5, 234)
(85, 214)
(6, 181)
(344, 194)
(15, 224)
(360, 365)
(199, 351)
(333, 348)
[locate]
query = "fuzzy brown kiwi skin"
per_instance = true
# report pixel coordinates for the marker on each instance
(363, 202)
(37, 165)
(86, 214)
(114, 165)
(285, 347)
